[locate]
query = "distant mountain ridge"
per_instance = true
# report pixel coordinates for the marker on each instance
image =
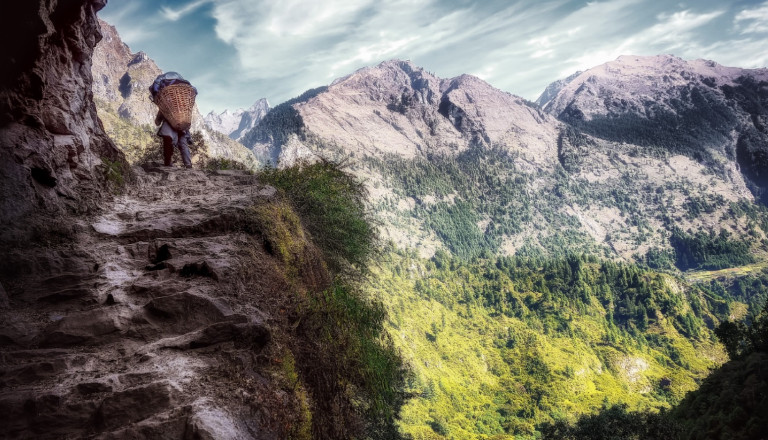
(523, 180)
(699, 108)
(554, 88)
(397, 107)
(235, 124)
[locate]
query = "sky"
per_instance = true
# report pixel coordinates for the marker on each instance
(237, 51)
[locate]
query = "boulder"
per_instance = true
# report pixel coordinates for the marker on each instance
(210, 422)
(251, 334)
(85, 327)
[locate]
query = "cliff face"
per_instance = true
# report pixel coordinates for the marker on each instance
(153, 317)
(52, 147)
(122, 77)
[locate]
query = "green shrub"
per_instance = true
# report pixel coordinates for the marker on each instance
(331, 203)
(741, 339)
(222, 163)
(709, 251)
(354, 357)
(281, 230)
(114, 172)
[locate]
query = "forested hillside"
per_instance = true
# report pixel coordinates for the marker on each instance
(458, 165)
(543, 269)
(502, 345)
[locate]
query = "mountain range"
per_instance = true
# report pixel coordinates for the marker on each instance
(688, 149)
(236, 124)
(542, 261)
(653, 160)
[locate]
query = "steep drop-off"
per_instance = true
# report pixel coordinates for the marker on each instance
(498, 345)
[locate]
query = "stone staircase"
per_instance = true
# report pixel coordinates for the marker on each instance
(138, 328)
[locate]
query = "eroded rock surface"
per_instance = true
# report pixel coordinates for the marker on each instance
(54, 154)
(100, 342)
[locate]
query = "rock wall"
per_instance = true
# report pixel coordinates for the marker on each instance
(52, 146)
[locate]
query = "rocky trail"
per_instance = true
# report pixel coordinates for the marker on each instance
(139, 327)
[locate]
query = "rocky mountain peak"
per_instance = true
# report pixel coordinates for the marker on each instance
(391, 76)
(138, 58)
(640, 78)
(696, 108)
(397, 107)
(554, 88)
(124, 77)
(225, 122)
(236, 123)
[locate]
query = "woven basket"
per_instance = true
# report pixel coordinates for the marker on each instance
(176, 103)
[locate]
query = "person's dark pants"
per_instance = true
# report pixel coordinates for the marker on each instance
(183, 149)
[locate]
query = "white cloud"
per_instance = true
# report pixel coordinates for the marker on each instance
(283, 48)
(295, 36)
(744, 52)
(592, 44)
(133, 33)
(752, 21)
(171, 14)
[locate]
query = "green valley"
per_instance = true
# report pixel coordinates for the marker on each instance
(501, 345)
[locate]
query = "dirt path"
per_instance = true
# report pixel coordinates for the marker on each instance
(119, 334)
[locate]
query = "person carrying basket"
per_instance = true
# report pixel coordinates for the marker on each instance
(175, 99)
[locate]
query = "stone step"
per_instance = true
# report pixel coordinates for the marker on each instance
(185, 311)
(253, 334)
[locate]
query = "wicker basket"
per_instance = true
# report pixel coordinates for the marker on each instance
(176, 102)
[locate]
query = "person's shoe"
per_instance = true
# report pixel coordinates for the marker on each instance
(188, 166)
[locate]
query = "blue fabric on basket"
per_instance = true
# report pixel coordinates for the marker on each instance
(164, 80)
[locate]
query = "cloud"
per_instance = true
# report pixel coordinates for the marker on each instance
(175, 14)
(315, 44)
(747, 53)
(264, 48)
(134, 31)
(752, 21)
(273, 38)
(673, 33)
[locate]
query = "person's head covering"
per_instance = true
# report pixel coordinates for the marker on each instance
(168, 76)
(163, 80)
